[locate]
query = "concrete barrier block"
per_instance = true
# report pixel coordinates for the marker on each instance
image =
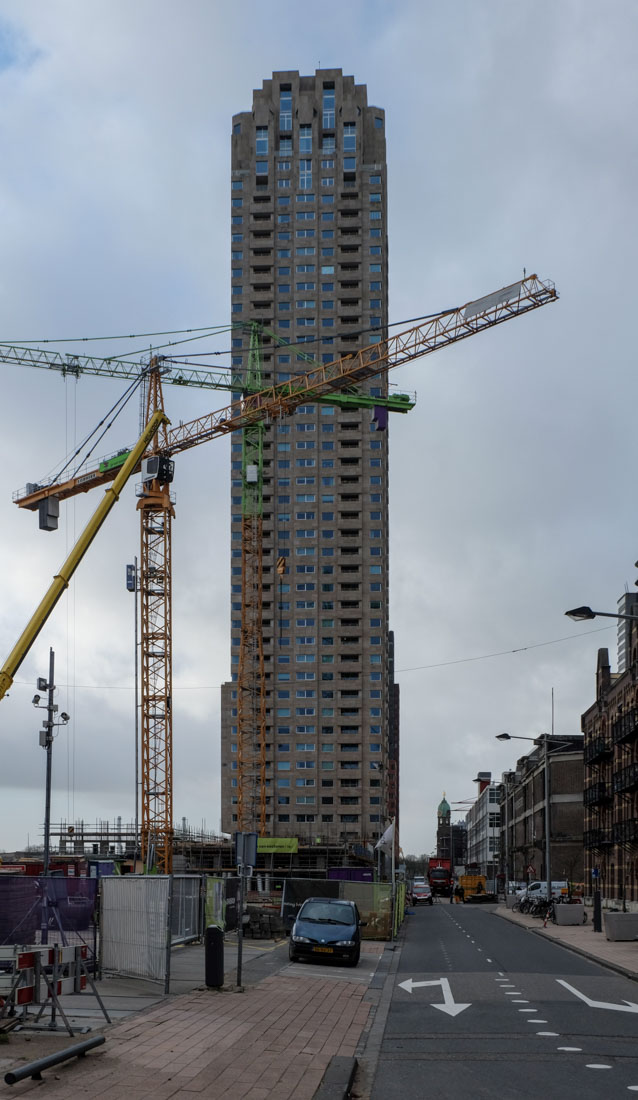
(569, 914)
(621, 926)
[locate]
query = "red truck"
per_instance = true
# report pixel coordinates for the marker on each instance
(440, 877)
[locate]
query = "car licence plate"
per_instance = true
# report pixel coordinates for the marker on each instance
(326, 950)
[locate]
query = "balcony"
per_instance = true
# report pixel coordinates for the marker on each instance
(625, 832)
(597, 750)
(597, 793)
(625, 728)
(596, 838)
(626, 779)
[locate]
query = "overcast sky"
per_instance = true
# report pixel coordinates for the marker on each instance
(511, 133)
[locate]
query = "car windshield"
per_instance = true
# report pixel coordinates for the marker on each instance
(323, 912)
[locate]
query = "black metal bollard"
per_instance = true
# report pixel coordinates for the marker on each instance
(214, 957)
(598, 920)
(34, 1069)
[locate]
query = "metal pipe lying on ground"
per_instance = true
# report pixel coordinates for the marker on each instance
(34, 1069)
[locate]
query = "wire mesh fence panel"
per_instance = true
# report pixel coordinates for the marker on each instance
(185, 912)
(133, 925)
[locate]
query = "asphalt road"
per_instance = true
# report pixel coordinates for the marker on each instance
(526, 1029)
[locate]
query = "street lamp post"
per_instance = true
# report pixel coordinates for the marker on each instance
(508, 876)
(580, 614)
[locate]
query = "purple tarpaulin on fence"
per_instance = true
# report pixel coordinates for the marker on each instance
(70, 908)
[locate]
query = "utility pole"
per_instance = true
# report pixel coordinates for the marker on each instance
(548, 821)
(46, 741)
(133, 586)
(507, 834)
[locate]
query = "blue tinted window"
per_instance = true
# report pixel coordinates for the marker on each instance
(349, 138)
(285, 109)
(261, 140)
(328, 119)
(305, 139)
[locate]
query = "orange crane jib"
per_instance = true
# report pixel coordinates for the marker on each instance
(277, 401)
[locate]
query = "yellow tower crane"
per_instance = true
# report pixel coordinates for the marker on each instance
(271, 403)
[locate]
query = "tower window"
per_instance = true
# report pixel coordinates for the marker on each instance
(328, 106)
(305, 175)
(305, 139)
(285, 109)
(349, 137)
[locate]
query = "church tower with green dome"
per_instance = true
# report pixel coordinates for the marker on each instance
(444, 812)
(448, 835)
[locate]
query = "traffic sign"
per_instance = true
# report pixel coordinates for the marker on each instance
(530, 869)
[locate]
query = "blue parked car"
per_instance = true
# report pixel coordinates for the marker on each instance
(326, 928)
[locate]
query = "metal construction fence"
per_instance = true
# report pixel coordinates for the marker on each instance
(142, 916)
(55, 909)
(134, 925)
(186, 920)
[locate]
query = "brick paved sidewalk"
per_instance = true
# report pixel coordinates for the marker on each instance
(272, 1042)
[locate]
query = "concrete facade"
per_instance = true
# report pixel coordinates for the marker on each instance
(309, 262)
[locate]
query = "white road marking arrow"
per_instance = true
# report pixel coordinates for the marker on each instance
(626, 1006)
(448, 1006)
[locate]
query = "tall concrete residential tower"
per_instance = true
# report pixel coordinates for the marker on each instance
(309, 264)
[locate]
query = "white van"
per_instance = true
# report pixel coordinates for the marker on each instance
(537, 889)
